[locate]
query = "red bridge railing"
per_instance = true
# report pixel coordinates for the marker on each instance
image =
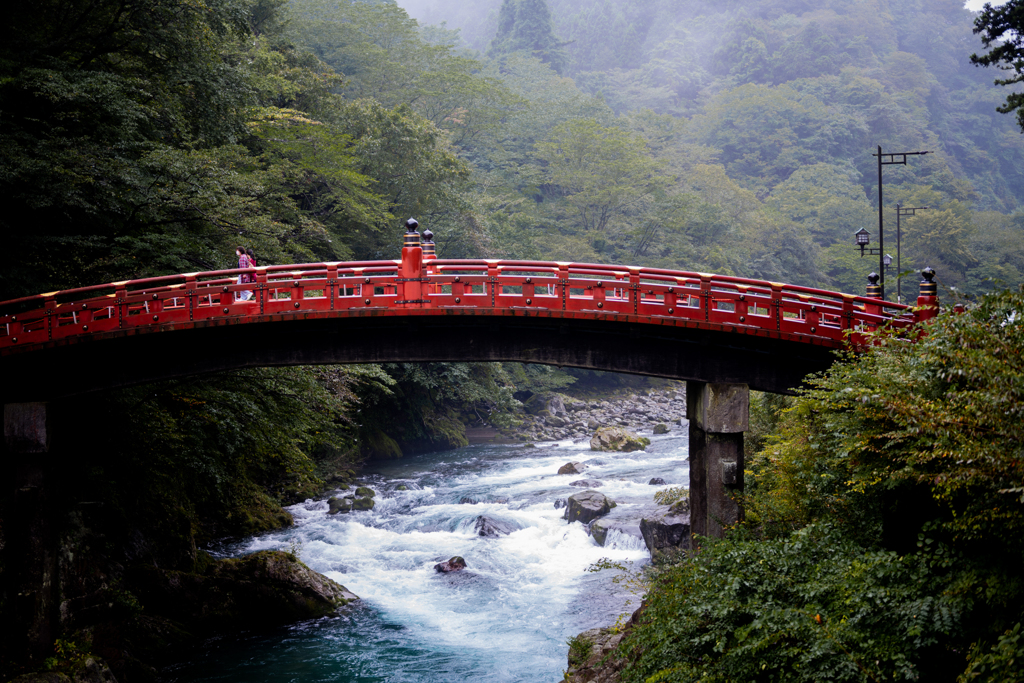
(414, 286)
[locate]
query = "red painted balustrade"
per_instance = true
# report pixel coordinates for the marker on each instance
(448, 287)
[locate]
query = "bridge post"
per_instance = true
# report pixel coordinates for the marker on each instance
(30, 568)
(410, 288)
(429, 254)
(928, 299)
(718, 415)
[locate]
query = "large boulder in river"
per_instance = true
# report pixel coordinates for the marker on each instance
(265, 588)
(572, 468)
(617, 439)
(454, 564)
(336, 505)
(587, 506)
(362, 503)
(667, 533)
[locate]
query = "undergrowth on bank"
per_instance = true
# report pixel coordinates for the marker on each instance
(883, 540)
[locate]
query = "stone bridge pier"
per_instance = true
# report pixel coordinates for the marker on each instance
(718, 415)
(29, 549)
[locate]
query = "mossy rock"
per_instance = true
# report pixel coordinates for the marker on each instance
(362, 504)
(266, 588)
(618, 439)
(378, 444)
(365, 492)
(336, 505)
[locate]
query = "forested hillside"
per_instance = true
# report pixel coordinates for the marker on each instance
(742, 136)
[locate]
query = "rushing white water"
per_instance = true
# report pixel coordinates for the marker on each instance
(506, 617)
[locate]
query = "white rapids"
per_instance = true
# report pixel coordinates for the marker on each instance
(506, 617)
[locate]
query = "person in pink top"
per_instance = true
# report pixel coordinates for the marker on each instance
(244, 262)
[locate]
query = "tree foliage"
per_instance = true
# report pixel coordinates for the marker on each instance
(884, 524)
(525, 26)
(1004, 26)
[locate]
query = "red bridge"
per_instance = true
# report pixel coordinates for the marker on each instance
(723, 334)
(684, 325)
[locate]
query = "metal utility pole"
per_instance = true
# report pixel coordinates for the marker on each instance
(901, 211)
(889, 158)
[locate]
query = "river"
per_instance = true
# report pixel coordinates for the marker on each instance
(506, 617)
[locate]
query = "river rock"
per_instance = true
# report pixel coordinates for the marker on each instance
(587, 483)
(572, 468)
(545, 404)
(365, 492)
(617, 439)
(265, 588)
(587, 506)
(656, 481)
(466, 500)
(492, 528)
(560, 503)
(667, 534)
(593, 657)
(599, 530)
(454, 564)
(362, 504)
(337, 505)
(661, 428)
(555, 421)
(593, 424)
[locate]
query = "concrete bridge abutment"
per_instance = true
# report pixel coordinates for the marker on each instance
(718, 415)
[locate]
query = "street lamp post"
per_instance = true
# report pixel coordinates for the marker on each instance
(885, 160)
(902, 211)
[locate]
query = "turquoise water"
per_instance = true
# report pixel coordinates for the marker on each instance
(506, 617)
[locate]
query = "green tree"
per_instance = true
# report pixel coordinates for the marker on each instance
(1004, 25)
(766, 133)
(525, 26)
(600, 172)
(827, 200)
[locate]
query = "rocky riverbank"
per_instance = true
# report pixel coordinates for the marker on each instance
(553, 416)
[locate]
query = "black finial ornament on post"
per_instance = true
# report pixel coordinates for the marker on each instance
(874, 289)
(928, 285)
(412, 236)
(428, 244)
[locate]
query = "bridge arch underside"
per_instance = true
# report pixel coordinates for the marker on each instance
(764, 363)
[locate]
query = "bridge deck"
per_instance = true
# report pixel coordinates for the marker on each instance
(448, 287)
(364, 295)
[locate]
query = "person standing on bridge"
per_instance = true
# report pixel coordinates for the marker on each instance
(244, 262)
